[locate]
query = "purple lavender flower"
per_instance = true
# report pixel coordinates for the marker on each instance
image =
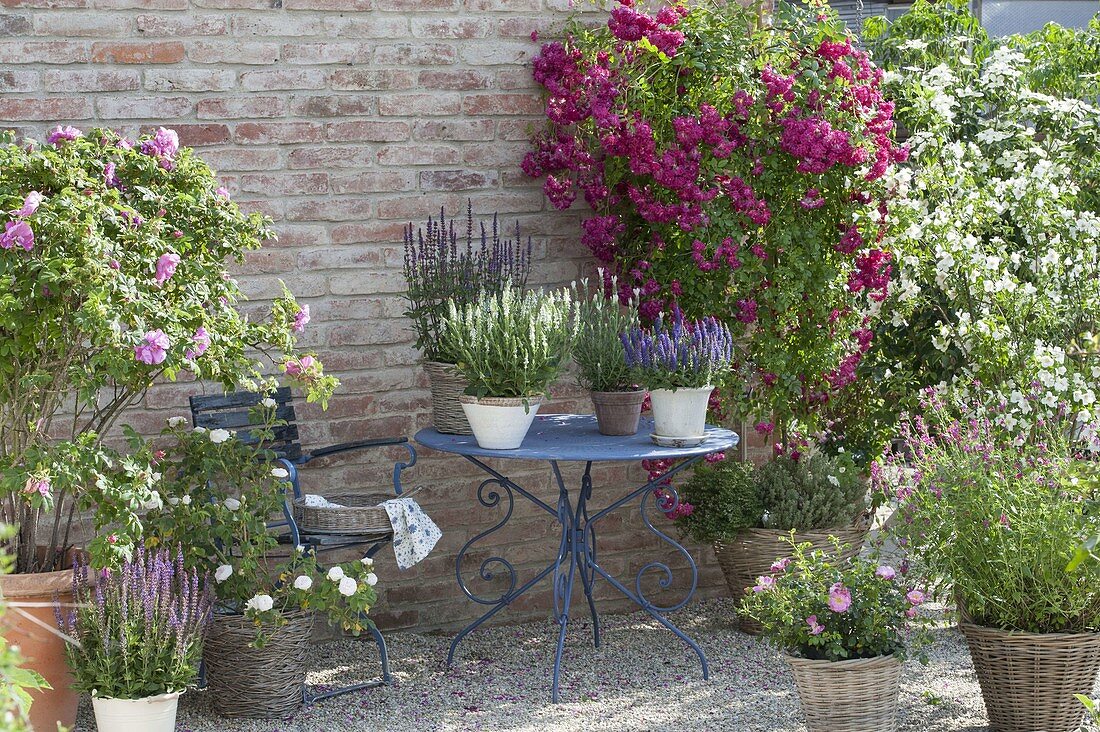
(681, 353)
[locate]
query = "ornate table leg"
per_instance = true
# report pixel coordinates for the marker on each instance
(587, 545)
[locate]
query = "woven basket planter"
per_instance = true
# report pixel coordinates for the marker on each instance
(447, 386)
(358, 515)
(859, 695)
(752, 552)
(260, 683)
(1028, 679)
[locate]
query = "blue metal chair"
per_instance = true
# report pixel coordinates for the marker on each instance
(235, 412)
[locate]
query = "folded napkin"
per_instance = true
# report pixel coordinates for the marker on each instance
(312, 500)
(414, 534)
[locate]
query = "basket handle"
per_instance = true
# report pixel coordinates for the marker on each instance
(410, 493)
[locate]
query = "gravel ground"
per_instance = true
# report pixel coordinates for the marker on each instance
(642, 678)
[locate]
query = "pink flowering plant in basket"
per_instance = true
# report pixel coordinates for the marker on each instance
(816, 606)
(113, 259)
(731, 165)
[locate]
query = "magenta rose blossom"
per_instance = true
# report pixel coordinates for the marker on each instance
(60, 134)
(30, 205)
(764, 583)
(17, 233)
(780, 565)
(816, 628)
(915, 597)
(166, 267)
(301, 319)
(840, 599)
(301, 366)
(201, 339)
(886, 572)
(153, 349)
(40, 486)
(164, 145)
(222, 192)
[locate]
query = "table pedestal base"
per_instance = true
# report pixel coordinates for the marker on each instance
(576, 557)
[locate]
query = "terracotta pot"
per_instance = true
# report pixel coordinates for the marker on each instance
(617, 412)
(43, 650)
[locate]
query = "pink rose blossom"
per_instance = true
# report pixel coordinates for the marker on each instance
(300, 367)
(30, 205)
(17, 233)
(166, 267)
(164, 145)
(201, 340)
(840, 598)
(153, 349)
(915, 597)
(816, 628)
(886, 572)
(764, 583)
(34, 484)
(301, 318)
(60, 134)
(780, 565)
(222, 192)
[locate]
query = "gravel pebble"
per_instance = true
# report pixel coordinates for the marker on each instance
(642, 678)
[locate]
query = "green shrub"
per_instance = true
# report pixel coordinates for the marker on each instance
(725, 500)
(813, 492)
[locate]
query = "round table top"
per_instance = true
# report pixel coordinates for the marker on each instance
(575, 438)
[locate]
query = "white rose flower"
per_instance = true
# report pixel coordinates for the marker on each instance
(268, 403)
(300, 548)
(371, 579)
(303, 582)
(280, 472)
(232, 504)
(336, 574)
(367, 562)
(199, 430)
(154, 502)
(177, 421)
(260, 603)
(173, 501)
(221, 574)
(348, 586)
(186, 500)
(219, 436)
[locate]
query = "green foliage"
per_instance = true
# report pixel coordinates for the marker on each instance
(598, 348)
(813, 492)
(725, 499)
(817, 606)
(16, 681)
(994, 520)
(219, 492)
(511, 344)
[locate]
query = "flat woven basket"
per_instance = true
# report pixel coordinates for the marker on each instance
(1028, 680)
(447, 386)
(859, 695)
(259, 683)
(360, 515)
(752, 552)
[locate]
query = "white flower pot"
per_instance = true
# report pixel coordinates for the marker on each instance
(499, 423)
(151, 714)
(680, 412)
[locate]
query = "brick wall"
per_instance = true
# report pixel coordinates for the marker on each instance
(341, 119)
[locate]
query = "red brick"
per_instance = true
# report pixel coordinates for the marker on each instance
(416, 5)
(276, 25)
(372, 232)
(233, 52)
(247, 107)
(140, 4)
(451, 27)
(285, 184)
(521, 27)
(463, 80)
(237, 4)
(187, 25)
(166, 52)
(334, 5)
(516, 78)
(131, 107)
(15, 82)
(334, 105)
(362, 80)
(511, 6)
(418, 207)
(502, 104)
(262, 133)
(409, 105)
(329, 210)
(279, 79)
(367, 131)
(419, 155)
(70, 25)
(200, 135)
(190, 80)
(44, 4)
(499, 53)
(514, 129)
(374, 25)
(505, 156)
(420, 54)
(43, 52)
(237, 158)
(457, 180)
(451, 130)
(331, 156)
(375, 181)
(326, 53)
(15, 25)
(45, 110)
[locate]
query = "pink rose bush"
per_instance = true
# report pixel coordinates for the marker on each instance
(765, 199)
(817, 606)
(115, 256)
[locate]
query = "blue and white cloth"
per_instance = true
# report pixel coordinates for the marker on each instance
(414, 534)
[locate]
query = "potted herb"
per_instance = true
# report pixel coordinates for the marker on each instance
(992, 512)
(601, 359)
(840, 624)
(679, 362)
(136, 638)
(438, 270)
(510, 346)
(114, 257)
(219, 492)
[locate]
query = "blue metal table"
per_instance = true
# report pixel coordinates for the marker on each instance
(560, 438)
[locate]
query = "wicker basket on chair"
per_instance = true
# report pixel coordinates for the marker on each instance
(350, 515)
(261, 683)
(752, 552)
(857, 695)
(447, 386)
(1029, 680)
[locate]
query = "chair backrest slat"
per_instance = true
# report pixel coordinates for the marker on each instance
(231, 412)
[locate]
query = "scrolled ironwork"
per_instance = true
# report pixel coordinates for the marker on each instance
(491, 567)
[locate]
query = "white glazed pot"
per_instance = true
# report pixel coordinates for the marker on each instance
(680, 412)
(500, 423)
(151, 714)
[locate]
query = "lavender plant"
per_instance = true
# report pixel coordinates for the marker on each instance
(138, 630)
(598, 350)
(438, 270)
(679, 354)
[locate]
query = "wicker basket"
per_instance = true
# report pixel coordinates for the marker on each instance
(1028, 680)
(752, 552)
(859, 695)
(260, 683)
(447, 386)
(358, 515)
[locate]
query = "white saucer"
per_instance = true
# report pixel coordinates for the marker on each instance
(693, 441)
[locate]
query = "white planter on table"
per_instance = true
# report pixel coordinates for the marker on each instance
(680, 412)
(500, 423)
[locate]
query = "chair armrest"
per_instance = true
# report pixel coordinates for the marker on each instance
(349, 446)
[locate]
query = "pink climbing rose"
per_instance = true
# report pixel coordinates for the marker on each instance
(201, 339)
(840, 599)
(301, 318)
(17, 233)
(816, 628)
(153, 349)
(301, 366)
(60, 134)
(166, 267)
(30, 205)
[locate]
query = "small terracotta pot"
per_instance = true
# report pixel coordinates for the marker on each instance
(617, 412)
(44, 650)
